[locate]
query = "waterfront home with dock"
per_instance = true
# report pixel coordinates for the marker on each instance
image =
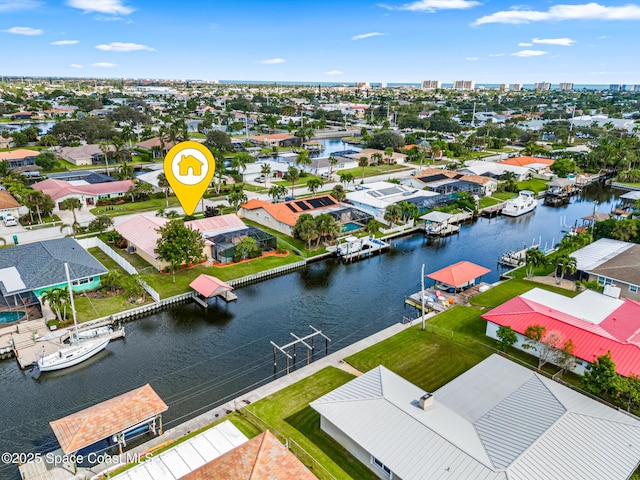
(448, 182)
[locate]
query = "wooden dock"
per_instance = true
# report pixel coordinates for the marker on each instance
(439, 230)
(492, 211)
(442, 299)
(366, 247)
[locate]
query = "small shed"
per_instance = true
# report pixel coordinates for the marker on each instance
(113, 418)
(207, 286)
(458, 276)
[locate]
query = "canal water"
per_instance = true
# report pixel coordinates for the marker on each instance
(198, 359)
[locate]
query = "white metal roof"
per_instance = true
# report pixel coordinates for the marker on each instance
(189, 455)
(11, 279)
(437, 217)
(633, 195)
(590, 306)
(498, 420)
(598, 252)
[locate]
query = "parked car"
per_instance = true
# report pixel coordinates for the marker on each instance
(260, 179)
(10, 220)
(289, 198)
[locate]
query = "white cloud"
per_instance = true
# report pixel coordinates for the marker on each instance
(75, 65)
(431, 6)
(111, 7)
(529, 53)
(123, 47)
(496, 54)
(524, 44)
(110, 18)
(602, 37)
(24, 31)
(272, 61)
(367, 35)
(587, 11)
(10, 5)
(564, 42)
(472, 59)
(333, 72)
(104, 65)
(64, 42)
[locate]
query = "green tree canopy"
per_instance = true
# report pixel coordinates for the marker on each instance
(385, 138)
(507, 337)
(178, 244)
(219, 140)
(601, 378)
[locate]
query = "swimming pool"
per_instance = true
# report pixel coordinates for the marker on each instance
(8, 317)
(350, 227)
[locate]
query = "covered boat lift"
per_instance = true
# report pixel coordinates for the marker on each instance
(207, 286)
(439, 224)
(458, 276)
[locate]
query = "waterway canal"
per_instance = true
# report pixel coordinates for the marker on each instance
(196, 359)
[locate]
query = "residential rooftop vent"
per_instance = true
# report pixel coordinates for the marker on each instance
(426, 401)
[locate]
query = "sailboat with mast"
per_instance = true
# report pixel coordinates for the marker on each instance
(79, 350)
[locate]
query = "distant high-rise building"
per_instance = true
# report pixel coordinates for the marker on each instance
(430, 84)
(542, 86)
(516, 87)
(383, 84)
(615, 87)
(504, 86)
(565, 86)
(464, 85)
(362, 84)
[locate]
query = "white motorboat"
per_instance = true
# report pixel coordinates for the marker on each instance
(80, 348)
(93, 333)
(525, 202)
(72, 355)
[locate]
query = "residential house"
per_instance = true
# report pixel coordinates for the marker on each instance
(21, 116)
(87, 193)
(6, 142)
(449, 182)
(374, 198)
(537, 164)
(594, 322)
(369, 152)
(8, 204)
(20, 157)
(496, 170)
(496, 421)
(611, 262)
(157, 148)
(282, 217)
(276, 140)
(27, 270)
(84, 154)
(321, 165)
(221, 234)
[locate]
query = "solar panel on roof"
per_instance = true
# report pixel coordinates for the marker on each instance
(291, 207)
(302, 205)
(315, 202)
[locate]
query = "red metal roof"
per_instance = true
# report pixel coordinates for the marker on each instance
(617, 333)
(105, 419)
(458, 274)
(209, 286)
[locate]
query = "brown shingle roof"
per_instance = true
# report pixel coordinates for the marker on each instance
(7, 201)
(624, 267)
(105, 419)
(261, 458)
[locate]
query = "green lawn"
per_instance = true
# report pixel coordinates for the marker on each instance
(92, 308)
(372, 170)
(163, 282)
(144, 206)
(502, 196)
(536, 185)
(488, 202)
(288, 415)
(301, 182)
(505, 291)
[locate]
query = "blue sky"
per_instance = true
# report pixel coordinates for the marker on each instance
(489, 41)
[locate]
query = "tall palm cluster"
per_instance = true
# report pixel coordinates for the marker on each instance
(58, 300)
(311, 229)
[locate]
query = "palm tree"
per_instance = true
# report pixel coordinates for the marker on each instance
(389, 154)
(510, 180)
(303, 158)
(346, 178)
(104, 148)
(265, 170)
(35, 198)
(377, 158)
(564, 264)
(125, 171)
(333, 161)
(71, 203)
(534, 258)
(364, 163)
(237, 197)
(163, 183)
(118, 149)
(393, 213)
(278, 192)
(4, 169)
(240, 161)
(292, 175)
(111, 279)
(314, 184)
(339, 193)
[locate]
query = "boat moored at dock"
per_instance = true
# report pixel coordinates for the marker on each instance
(525, 202)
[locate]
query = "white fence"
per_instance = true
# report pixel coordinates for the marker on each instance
(93, 242)
(398, 228)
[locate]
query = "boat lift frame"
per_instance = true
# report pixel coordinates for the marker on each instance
(303, 341)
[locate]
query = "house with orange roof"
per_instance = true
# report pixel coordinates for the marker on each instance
(282, 217)
(20, 157)
(449, 182)
(538, 164)
(8, 204)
